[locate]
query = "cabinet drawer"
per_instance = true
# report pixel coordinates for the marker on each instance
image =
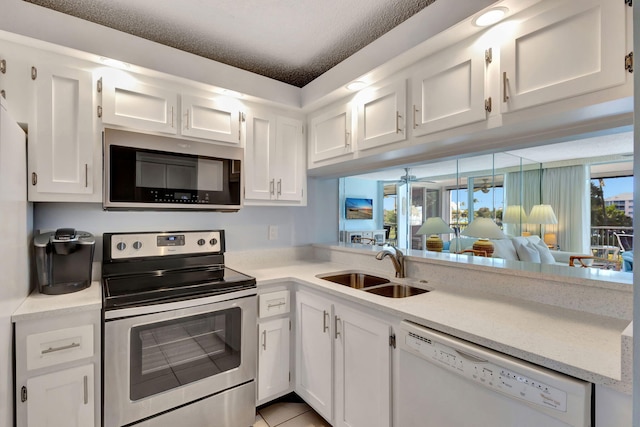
(273, 303)
(59, 346)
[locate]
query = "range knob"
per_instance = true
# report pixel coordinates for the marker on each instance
(213, 241)
(137, 245)
(121, 246)
(201, 242)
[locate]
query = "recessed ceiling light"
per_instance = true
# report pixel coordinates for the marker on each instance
(491, 16)
(357, 85)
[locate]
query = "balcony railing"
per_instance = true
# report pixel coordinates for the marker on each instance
(603, 236)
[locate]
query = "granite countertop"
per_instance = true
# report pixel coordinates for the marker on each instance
(40, 306)
(580, 344)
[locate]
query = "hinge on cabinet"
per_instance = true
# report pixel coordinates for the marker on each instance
(392, 340)
(3, 66)
(99, 85)
(34, 73)
(3, 94)
(628, 62)
(488, 55)
(23, 394)
(628, 3)
(34, 178)
(99, 111)
(487, 105)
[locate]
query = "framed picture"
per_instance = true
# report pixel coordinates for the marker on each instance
(356, 208)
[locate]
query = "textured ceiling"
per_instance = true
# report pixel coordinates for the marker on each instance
(293, 41)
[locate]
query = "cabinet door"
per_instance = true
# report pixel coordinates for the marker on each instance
(382, 117)
(363, 370)
(314, 352)
(261, 135)
(571, 50)
(217, 119)
(331, 134)
(132, 104)
(448, 90)
(63, 398)
(289, 172)
(273, 358)
(61, 150)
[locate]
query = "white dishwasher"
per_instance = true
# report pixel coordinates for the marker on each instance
(447, 382)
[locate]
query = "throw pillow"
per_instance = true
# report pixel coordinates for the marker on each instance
(503, 248)
(527, 252)
(545, 253)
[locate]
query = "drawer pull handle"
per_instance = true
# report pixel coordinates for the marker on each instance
(276, 305)
(64, 347)
(337, 332)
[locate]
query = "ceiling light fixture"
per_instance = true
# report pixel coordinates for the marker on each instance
(356, 85)
(491, 16)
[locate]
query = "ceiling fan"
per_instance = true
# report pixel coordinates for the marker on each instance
(485, 187)
(407, 177)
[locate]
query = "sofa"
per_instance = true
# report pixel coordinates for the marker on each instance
(520, 248)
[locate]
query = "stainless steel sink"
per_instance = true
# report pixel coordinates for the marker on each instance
(355, 280)
(395, 290)
(373, 284)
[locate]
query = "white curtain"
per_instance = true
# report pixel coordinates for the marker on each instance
(523, 189)
(567, 190)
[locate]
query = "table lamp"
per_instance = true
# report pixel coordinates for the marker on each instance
(434, 226)
(484, 229)
(543, 214)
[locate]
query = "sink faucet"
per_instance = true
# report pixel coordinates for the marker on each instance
(397, 258)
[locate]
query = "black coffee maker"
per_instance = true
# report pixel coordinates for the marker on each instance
(64, 259)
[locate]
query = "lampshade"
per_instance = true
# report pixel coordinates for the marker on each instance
(514, 214)
(434, 226)
(485, 229)
(542, 214)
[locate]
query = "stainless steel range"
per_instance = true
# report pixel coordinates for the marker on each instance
(179, 332)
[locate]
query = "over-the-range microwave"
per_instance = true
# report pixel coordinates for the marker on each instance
(150, 172)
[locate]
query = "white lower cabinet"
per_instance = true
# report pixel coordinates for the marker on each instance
(273, 358)
(57, 371)
(63, 398)
(343, 362)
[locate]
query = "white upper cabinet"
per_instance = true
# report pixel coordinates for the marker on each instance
(64, 146)
(382, 117)
(448, 89)
(274, 158)
(576, 48)
(129, 103)
(211, 118)
(289, 172)
(331, 134)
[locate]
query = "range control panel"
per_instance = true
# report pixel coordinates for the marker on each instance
(137, 245)
(488, 374)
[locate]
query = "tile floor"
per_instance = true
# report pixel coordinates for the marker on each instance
(285, 413)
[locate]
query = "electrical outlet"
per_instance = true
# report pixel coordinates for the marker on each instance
(273, 232)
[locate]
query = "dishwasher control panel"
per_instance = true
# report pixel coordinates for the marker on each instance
(490, 375)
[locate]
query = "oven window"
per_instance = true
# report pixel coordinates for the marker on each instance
(170, 354)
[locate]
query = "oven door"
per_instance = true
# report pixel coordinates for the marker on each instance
(157, 362)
